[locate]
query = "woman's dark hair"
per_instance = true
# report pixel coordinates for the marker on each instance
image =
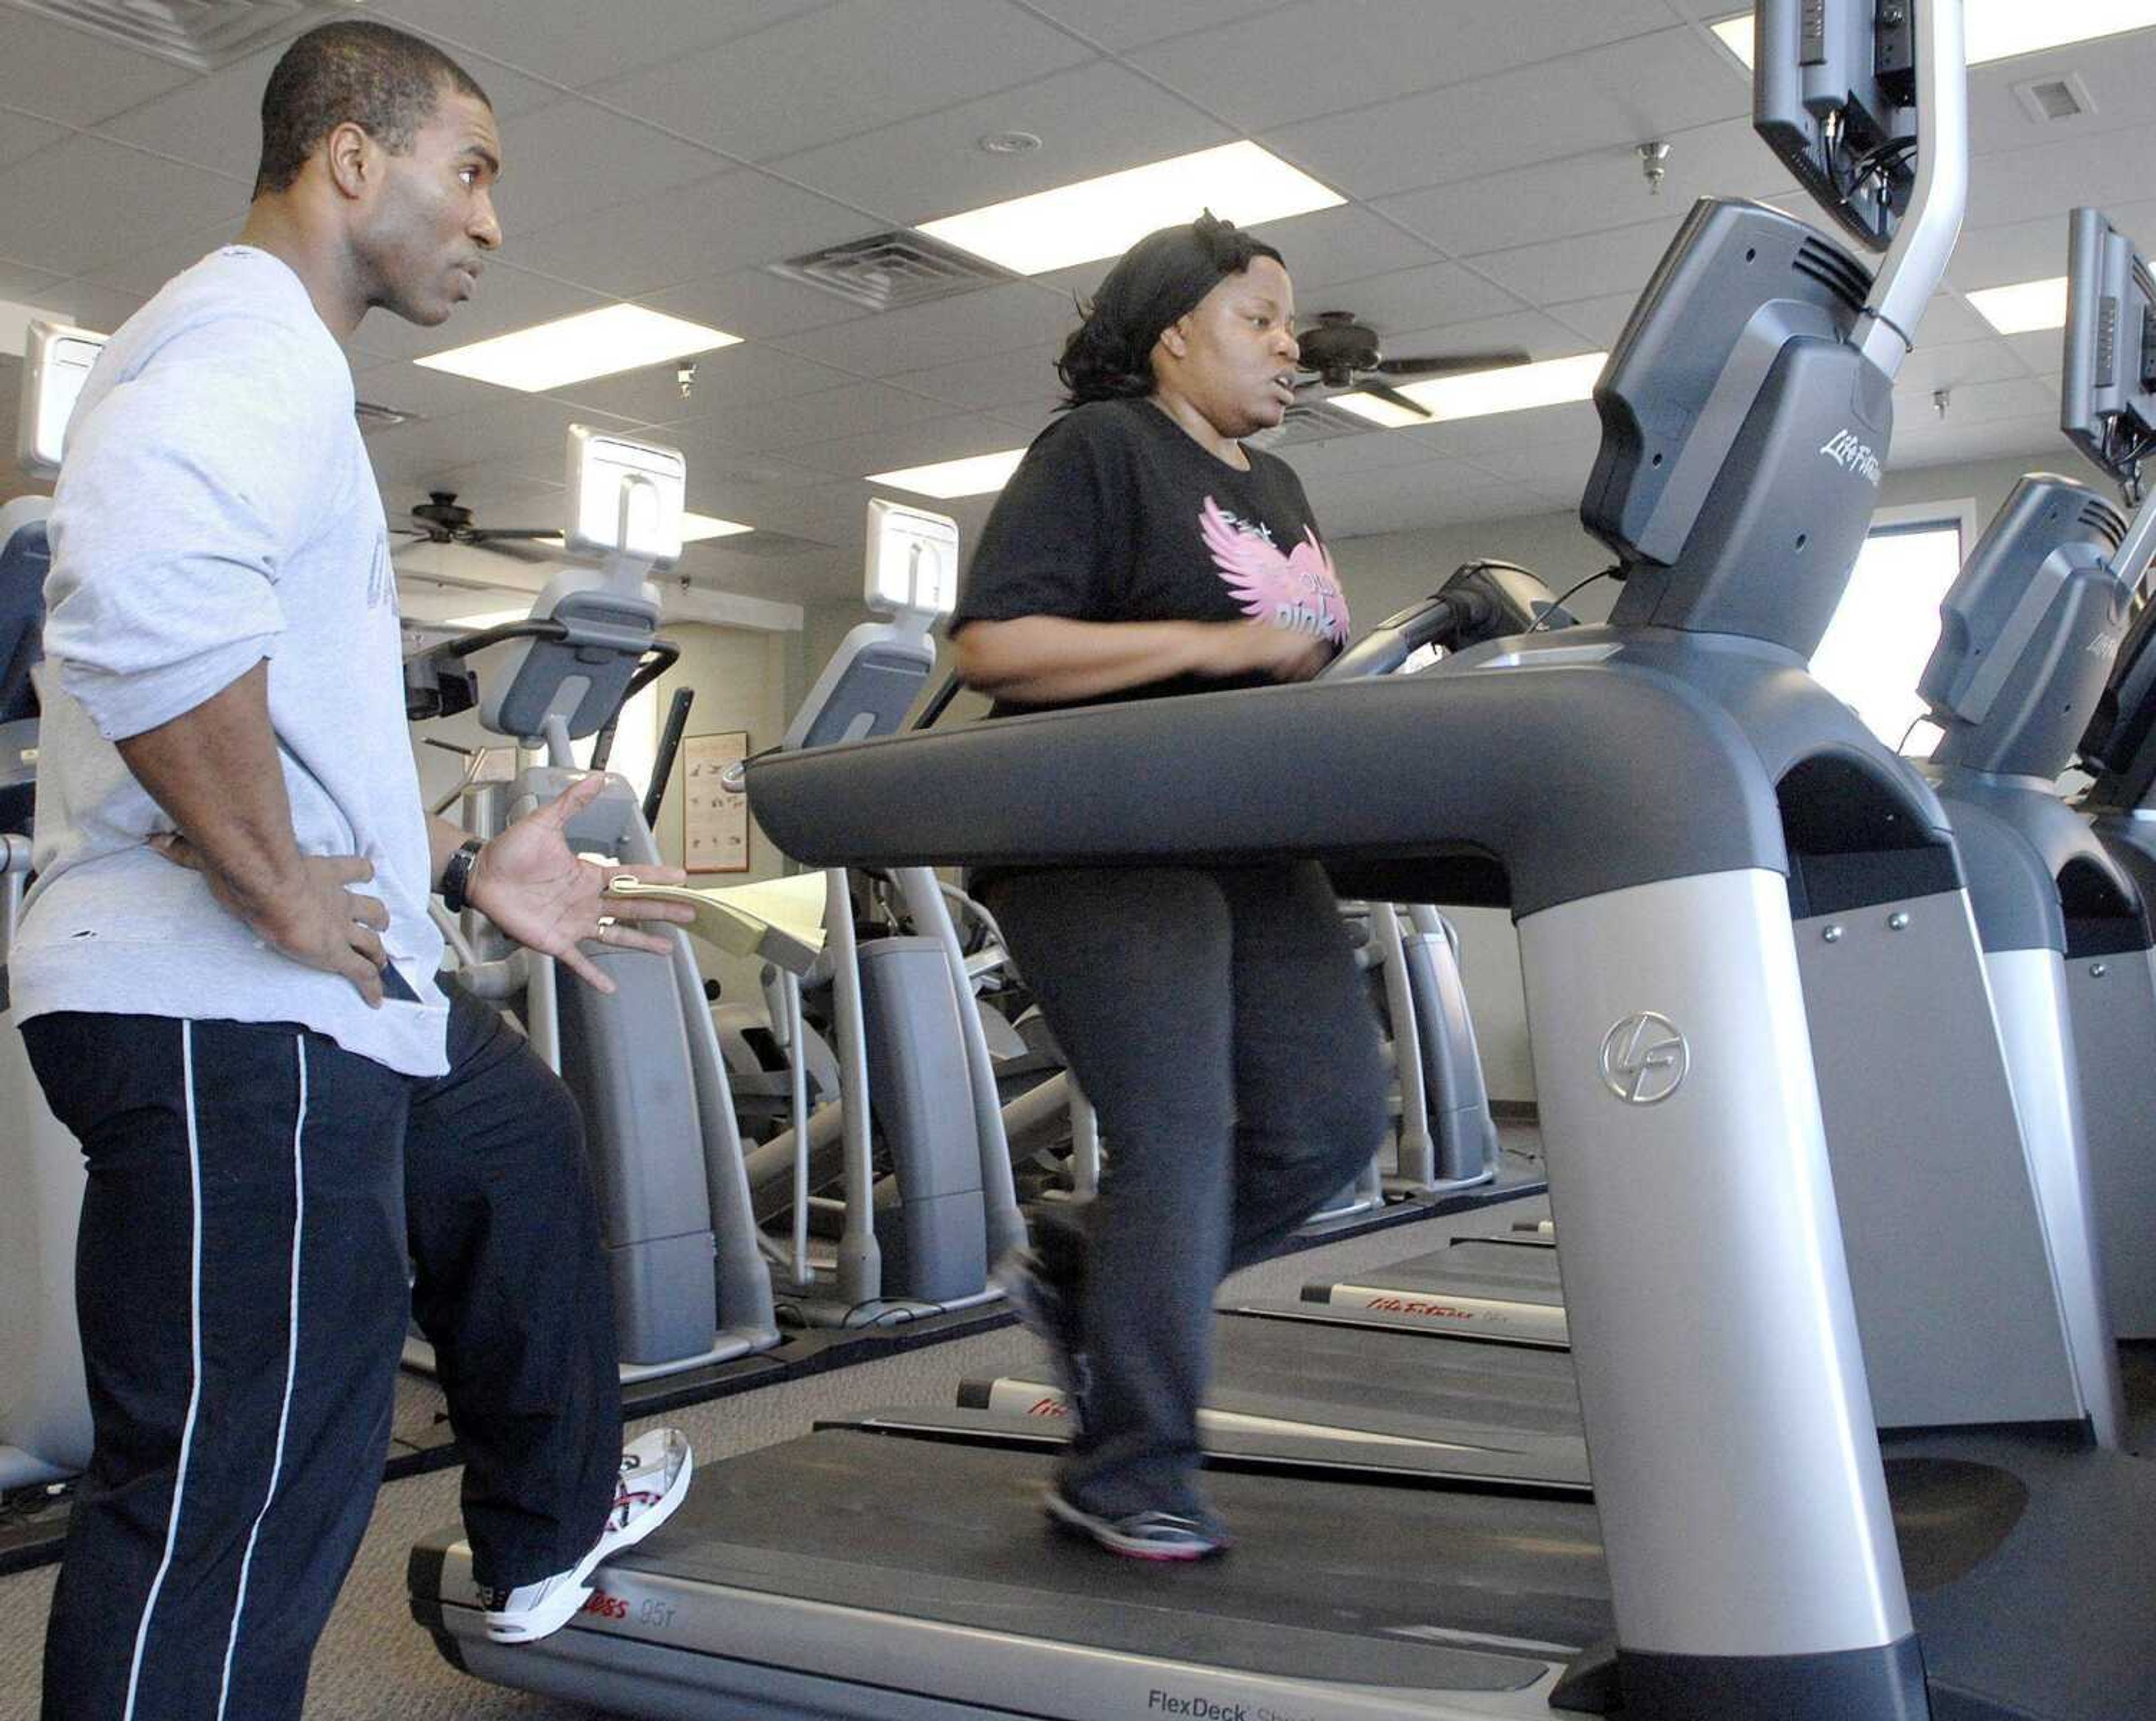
(381, 79)
(1109, 356)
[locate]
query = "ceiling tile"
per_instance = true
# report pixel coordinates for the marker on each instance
(575, 155)
(1584, 194)
(1471, 438)
(2117, 71)
(407, 388)
(1426, 298)
(1326, 55)
(146, 270)
(739, 218)
(574, 43)
(136, 197)
(95, 306)
(2100, 168)
(74, 77)
(874, 65)
(801, 426)
(413, 458)
(508, 298)
(1559, 468)
(734, 381)
(1598, 320)
(2034, 439)
(24, 135)
(1976, 403)
(1329, 246)
(215, 121)
(1358, 452)
(755, 305)
(1553, 274)
(2027, 250)
(934, 165)
(2043, 352)
(1002, 379)
(23, 282)
(1949, 322)
(1120, 24)
(1934, 365)
(1608, 98)
(966, 325)
(947, 438)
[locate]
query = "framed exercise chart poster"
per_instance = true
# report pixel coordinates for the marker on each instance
(714, 818)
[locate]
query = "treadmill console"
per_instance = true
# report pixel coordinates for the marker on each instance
(2027, 632)
(1834, 95)
(2107, 405)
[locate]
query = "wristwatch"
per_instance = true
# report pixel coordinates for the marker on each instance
(457, 876)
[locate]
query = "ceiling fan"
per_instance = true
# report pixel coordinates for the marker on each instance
(441, 519)
(1339, 350)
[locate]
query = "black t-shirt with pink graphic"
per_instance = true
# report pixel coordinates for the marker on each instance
(1117, 515)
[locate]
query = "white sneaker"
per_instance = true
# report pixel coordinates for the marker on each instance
(655, 1480)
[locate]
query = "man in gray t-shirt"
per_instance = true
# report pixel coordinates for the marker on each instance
(226, 971)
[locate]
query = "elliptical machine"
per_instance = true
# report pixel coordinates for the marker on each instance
(44, 1405)
(690, 1289)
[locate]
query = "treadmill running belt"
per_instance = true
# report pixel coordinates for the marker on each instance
(1328, 1580)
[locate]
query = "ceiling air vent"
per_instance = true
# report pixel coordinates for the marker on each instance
(891, 271)
(2048, 100)
(1311, 421)
(203, 35)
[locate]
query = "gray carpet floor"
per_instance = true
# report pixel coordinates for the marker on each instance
(375, 1664)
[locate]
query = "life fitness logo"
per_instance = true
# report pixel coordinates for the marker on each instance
(1850, 455)
(1645, 1059)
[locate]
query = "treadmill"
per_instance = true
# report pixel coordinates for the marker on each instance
(2017, 680)
(1749, 1553)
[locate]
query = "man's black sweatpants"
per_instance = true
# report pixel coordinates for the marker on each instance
(254, 1194)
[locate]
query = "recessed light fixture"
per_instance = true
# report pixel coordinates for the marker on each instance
(1476, 394)
(1102, 217)
(574, 349)
(2024, 308)
(976, 475)
(696, 528)
(2000, 29)
(1010, 143)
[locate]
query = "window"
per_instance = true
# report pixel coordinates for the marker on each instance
(1881, 637)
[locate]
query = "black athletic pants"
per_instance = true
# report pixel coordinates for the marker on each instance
(254, 1195)
(1216, 1020)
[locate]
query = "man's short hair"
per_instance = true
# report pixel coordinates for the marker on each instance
(381, 79)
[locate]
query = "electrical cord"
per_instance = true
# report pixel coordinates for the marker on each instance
(1541, 621)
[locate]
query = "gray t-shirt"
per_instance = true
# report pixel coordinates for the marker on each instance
(216, 507)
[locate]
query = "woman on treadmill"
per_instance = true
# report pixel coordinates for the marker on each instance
(1213, 1015)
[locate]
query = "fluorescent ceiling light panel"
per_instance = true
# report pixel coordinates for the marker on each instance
(1476, 394)
(695, 528)
(489, 618)
(573, 349)
(1377, 410)
(2024, 308)
(976, 475)
(1103, 217)
(2000, 29)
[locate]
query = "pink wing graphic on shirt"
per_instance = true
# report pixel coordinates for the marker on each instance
(1298, 589)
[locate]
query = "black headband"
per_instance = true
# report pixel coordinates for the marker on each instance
(1164, 277)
